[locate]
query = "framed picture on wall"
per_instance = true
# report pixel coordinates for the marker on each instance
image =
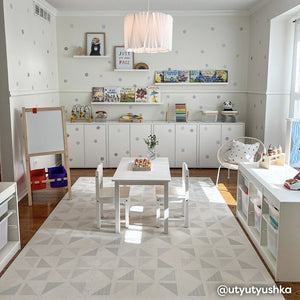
(123, 59)
(95, 43)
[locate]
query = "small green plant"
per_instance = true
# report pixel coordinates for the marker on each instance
(151, 141)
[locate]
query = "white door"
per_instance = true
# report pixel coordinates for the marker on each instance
(138, 132)
(165, 134)
(210, 141)
(231, 131)
(118, 143)
(186, 145)
(95, 145)
(75, 135)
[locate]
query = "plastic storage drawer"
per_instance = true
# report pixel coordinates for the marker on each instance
(274, 215)
(272, 239)
(257, 217)
(3, 231)
(244, 198)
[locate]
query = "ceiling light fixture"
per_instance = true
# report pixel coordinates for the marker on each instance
(148, 32)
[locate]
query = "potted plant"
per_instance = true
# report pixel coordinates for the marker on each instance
(151, 142)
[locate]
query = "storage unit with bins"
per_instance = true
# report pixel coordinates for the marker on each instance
(270, 214)
(9, 223)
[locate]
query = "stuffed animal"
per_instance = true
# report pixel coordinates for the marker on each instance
(227, 105)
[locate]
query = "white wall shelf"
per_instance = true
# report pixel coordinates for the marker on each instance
(191, 83)
(131, 70)
(91, 56)
(125, 103)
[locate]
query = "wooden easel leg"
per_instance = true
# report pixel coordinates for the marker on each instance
(28, 181)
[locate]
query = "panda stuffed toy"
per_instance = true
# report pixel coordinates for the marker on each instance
(227, 105)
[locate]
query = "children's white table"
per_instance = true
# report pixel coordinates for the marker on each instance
(159, 175)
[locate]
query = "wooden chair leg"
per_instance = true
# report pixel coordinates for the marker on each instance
(157, 212)
(98, 214)
(186, 213)
(127, 209)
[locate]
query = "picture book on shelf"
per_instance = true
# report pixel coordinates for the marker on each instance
(183, 76)
(159, 76)
(127, 94)
(97, 94)
(111, 94)
(153, 94)
(141, 94)
(221, 76)
(195, 76)
(171, 76)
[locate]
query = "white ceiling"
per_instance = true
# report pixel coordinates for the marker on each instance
(157, 5)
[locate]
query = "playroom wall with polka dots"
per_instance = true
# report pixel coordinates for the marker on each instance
(199, 42)
(32, 73)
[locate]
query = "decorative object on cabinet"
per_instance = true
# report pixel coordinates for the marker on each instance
(131, 118)
(97, 94)
(101, 116)
(123, 59)
(141, 94)
(151, 142)
(112, 94)
(81, 113)
(180, 112)
(148, 32)
(168, 113)
(95, 43)
(228, 114)
(153, 94)
(45, 134)
(127, 94)
(79, 51)
(141, 164)
(273, 157)
(141, 66)
(209, 116)
(228, 154)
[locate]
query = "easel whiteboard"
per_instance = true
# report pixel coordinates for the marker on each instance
(45, 131)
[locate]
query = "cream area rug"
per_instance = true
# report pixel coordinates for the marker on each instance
(69, 258)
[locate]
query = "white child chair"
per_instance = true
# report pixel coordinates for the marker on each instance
(107, 195)
(176, 195)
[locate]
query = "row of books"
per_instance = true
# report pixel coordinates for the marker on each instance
(175, 76)
(126, 94)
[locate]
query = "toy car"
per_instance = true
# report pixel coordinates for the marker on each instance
(293, 183)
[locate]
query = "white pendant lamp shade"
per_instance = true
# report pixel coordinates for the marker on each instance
(148, 32)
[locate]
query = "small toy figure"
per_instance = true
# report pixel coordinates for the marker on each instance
(227, 105)
(79, 51)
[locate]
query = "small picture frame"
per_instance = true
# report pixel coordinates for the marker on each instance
(95, 43)
(123, 59)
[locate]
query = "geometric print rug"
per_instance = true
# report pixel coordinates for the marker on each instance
(69, 258)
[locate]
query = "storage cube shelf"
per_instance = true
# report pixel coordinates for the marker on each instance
(280, 246)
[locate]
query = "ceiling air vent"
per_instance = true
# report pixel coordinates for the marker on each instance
(41, 12)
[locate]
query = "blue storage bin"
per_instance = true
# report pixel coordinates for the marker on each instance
(55, 173)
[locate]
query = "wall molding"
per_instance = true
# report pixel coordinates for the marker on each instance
(20, 93)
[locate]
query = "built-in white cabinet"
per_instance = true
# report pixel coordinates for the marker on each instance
(118, 143)
(138, 132)
(165, 134)
(186, 144)
(232, 130)
(75, 134)
(270, 215)
(210, 142)
(9, 223)
(195, 143)
(95, 145)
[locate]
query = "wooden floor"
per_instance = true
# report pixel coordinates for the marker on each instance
(44, 201)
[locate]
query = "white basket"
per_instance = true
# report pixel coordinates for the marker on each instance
(257, 217)
(272, 234)
(244, 198)
(209, 116)
(274, 213)
(3, 232)
(3, 208)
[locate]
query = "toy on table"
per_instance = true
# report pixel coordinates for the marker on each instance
(228, 114)
(81, 113)
(131, 118)
(101, 116)
(141, 164)
(293, 183)
(273, 156)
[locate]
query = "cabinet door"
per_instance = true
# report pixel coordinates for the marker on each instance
(95, 145)
(75, 134)
(186, 145)
(118, 143)
(165, 134)
(231, 131)
(210, 141)
(138, 132)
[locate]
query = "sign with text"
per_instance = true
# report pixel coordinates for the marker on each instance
(123, 59)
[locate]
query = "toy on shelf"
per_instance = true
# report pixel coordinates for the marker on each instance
(142, 164)
(293, 183)
(228, 114)
(131, 118)
(101, 116)
(81, 113)
(274, 156)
